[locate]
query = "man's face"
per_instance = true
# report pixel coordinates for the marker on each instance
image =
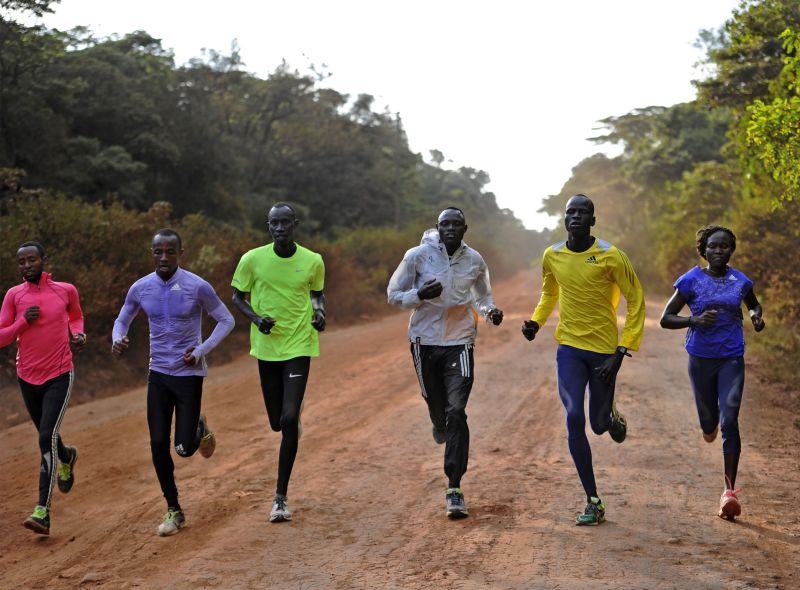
(31, 263)
(579, 216)
(452, 227)
(166, 255)
(281, 223)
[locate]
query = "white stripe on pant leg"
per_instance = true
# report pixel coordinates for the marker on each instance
(54, 439)
(463, 366)
(418, 367)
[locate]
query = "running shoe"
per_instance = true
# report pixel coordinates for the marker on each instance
(440, 436)
(729, 506)
(619, 425)
(66, 471)
(174, 520)
(208, 442)
(593, 514)
(711, 436)
(456, 507)
(280, 510)
(39, 521)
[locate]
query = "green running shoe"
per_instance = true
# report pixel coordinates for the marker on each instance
(39, 521)
(208, 442)
(66, 471)
(593, 514)
(174, 520)
(619, 425)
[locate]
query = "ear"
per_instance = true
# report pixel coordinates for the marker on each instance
(466, 227)
(593, 221)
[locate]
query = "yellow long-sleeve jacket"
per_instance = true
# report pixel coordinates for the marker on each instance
(587, 286)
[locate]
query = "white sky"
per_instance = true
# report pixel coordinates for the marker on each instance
(513, 88)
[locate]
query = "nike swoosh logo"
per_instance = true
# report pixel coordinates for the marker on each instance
(292, 375)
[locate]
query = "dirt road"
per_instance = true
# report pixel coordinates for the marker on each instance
(368, 489)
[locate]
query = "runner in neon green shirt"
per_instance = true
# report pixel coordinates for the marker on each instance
(278, 287)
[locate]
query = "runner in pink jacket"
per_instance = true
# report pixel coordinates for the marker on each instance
(44, 317)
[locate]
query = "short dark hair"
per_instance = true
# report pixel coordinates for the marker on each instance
(36, 245)
(706, 232)
(170, 233)
(451, 208)
(587, 197)
(282, 204)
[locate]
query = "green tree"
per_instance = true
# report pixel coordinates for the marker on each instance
(746, 55)
(773, 128)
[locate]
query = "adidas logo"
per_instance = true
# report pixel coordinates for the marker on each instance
(591, 260)
(731, 278)
(175, 287)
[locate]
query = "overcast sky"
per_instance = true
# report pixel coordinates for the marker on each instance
(513, 88)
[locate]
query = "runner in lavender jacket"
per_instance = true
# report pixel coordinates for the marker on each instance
(174, 300)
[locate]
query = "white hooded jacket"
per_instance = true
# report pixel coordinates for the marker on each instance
(452, 318)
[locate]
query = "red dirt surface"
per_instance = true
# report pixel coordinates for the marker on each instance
(368, 488)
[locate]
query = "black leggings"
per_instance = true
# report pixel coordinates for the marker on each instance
(283, 384)
(165, 394)
(46, 404)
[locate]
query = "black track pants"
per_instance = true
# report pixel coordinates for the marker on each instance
(283, 384)
(445, 378)
(46, 404)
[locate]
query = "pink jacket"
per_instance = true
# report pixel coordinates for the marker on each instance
(43, 346)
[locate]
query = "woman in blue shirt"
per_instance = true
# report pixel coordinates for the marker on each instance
(715, 343)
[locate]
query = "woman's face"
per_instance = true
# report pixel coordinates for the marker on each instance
(719, 249)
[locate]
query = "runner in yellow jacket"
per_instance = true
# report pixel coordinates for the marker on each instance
(585, 275)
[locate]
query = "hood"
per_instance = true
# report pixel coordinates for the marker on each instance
(431, 237)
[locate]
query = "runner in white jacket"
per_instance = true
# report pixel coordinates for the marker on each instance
(446, 283)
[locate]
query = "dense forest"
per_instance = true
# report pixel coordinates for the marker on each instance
(104, 140)
(730, 157)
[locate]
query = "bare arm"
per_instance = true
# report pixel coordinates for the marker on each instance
(242, 303)
(318, 305)
(672, 321)
(751, 301)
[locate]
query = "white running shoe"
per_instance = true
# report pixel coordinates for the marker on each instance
(173, 522)
(280, 510)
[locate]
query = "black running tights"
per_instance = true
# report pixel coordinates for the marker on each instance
(167, 394)
(46, 404)
(283, 384)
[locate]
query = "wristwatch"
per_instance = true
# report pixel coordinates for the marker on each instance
(623, 351)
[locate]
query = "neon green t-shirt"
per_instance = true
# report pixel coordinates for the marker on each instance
(279, 288)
